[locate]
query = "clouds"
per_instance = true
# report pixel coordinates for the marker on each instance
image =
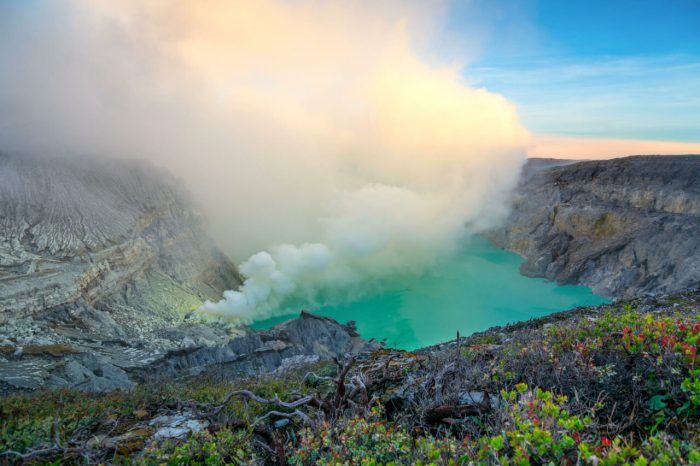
(592, 69)
(327, 135)
(613, 98)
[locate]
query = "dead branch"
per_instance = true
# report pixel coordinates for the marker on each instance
(296, 413)
(340, 381)
(252, 396)
(440, 379)
(360, 388)
(317, 377)
(32, 454)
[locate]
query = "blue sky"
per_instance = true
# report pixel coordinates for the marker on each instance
(595, 69)
(591, 69)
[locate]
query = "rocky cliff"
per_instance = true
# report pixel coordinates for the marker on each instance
(625, 227)
(97, 237)
(100, 263)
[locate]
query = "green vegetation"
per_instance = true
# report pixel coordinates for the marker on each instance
(538, 431)
(612, 385)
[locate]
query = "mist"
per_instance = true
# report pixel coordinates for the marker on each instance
(334, 149)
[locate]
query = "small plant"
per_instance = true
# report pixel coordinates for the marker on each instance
(372, 441)
(603, 386)
(204, 448)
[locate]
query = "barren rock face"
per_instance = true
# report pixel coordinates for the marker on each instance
(99, 232)
(624, 227)
(100, 263)
(101, 257)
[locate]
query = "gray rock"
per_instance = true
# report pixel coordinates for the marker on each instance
(289, 344)
(624, 227)
(30, 374)
(91, 373)
(478, 398)
(111, 244)
(188, 342)
(96, 368)
(278, 424)
(176, 426)
(105, 257)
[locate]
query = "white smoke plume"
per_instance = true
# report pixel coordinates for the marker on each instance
(333, 126)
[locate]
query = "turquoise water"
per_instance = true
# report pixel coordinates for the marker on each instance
(479, 288)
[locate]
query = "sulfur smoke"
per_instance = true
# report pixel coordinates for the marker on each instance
(334, 149)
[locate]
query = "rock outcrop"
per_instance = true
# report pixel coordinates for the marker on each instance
(101, 366)
(624, 227)
(308, 338)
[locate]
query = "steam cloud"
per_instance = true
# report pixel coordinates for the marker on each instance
(322, 134)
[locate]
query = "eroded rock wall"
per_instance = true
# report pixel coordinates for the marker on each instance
(100, 264)
(105, 233)
(625, 227)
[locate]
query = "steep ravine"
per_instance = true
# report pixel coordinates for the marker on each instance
(624, 227)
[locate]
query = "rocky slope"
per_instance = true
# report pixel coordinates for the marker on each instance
(104, 235)
(104, 366)
(613, 384)
(625, 227)
(100, 264)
